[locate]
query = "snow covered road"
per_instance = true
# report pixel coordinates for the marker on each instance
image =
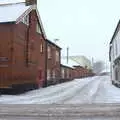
(96, 89)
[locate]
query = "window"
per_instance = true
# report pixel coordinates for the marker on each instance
(53, 74)
(67, 73)
(49, 52)
(63, 73)
(41, 47)
(3, 59)
(116, 48)
(48, 74)
(26, 20)
(57, 56)
(38, 28)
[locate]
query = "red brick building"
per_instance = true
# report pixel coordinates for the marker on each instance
(72, 70)
(81, 72)
(53, 63)
(22, 46)
(67, 73)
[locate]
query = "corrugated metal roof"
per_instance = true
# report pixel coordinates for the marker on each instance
(10, 12)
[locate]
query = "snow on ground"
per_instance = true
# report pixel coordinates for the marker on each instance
(96, 89)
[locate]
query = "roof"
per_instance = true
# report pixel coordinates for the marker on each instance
(10, 1)
(70, 62)
(116, 31)
(53, 43)
(66, 66)
(80, 61)
(15, 10)
(12, 11)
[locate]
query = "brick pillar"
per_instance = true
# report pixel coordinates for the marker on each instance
(30, 2)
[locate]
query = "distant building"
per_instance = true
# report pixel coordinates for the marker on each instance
(78, 71)
(67, 73)
(80, 60)
(114, 56)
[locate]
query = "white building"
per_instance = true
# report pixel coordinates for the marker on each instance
(114, 56)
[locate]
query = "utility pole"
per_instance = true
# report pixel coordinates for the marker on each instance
(67, 55)
(92, 62)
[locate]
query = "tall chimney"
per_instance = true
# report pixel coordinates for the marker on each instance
(31, 2)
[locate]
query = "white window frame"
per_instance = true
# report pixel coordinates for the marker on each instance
(53, 74)
(25, 20)
(48, 74)
(49, 52)
(68, 73)
(38, 30)
(63, 73)
(57, 56)
(41, 48)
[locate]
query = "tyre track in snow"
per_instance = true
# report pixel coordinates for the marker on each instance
(45, 96)
(107, 93)
(85, 94)
(67, 94)
(42, 93)
(100, 86)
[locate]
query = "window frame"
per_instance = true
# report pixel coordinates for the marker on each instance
(38, 29)
(49, 51)
(57, 56)
(41, 48)
(48, 74)
(25, 20)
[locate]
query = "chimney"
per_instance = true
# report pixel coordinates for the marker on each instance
(67, 55)
(31, 2)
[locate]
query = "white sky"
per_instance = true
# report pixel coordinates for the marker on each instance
(86, 26)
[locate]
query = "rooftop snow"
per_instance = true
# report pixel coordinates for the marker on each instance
(76, 60)
(10, 1)
(70, 63)
(10, 12)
